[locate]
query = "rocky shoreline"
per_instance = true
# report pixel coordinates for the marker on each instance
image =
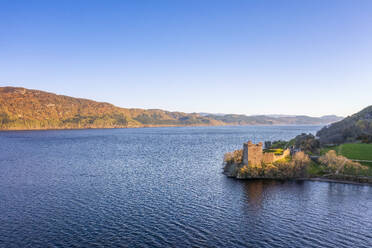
(343, 179)
(230, 171)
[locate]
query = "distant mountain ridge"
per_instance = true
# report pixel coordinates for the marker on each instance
(22, 108)
(233, 119)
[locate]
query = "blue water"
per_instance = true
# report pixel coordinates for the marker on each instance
(163, 187)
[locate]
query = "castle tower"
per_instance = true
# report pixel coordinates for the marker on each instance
(252, 153)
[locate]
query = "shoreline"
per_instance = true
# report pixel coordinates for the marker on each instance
(89, 128)
(314, 179)
(329, 180)
(152, 126)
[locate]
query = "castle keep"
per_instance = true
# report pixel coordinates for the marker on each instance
(253, 154)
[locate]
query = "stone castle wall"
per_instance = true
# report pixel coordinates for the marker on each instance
(254, 155)
(268, 157)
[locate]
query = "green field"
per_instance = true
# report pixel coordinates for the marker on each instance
(353, 151)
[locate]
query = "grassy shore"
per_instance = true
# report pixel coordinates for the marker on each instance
(354, 151)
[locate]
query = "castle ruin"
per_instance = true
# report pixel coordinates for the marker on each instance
(253, 154)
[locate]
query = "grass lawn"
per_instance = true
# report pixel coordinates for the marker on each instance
(357, 151)
(352, 151)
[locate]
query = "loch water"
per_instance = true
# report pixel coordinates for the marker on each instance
(164, 187)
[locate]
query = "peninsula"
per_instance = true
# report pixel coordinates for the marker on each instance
(254, 162)
(340, 151)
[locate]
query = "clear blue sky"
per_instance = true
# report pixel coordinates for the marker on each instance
(251, 57)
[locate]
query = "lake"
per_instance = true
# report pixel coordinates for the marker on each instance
(164, 187)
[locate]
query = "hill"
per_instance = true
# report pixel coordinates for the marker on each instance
(353, 128)
(22, 108)
(232, 119)
(33, 109)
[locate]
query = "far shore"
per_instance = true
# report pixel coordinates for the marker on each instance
(88, 128)
(152, 126)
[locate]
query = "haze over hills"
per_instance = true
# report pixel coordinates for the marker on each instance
(22, 108)
(233, 119)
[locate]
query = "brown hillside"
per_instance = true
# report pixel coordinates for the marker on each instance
(22, 108)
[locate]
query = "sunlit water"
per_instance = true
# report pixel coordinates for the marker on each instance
(163, 187)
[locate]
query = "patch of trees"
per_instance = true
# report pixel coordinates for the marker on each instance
(235, 157)
(4, 119)
(365, 138)
(337, 164)
(307, 143)
(107, 120)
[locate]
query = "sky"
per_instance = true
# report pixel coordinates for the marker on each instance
(311, 57)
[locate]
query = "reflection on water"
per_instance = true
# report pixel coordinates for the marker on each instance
(254, 193)
(163, 187)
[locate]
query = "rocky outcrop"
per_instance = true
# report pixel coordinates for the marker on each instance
(231, 170)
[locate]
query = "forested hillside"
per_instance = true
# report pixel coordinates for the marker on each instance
(353, 128)
(22, 108)
(32, 109)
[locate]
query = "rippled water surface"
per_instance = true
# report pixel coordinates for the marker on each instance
(163, 187)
